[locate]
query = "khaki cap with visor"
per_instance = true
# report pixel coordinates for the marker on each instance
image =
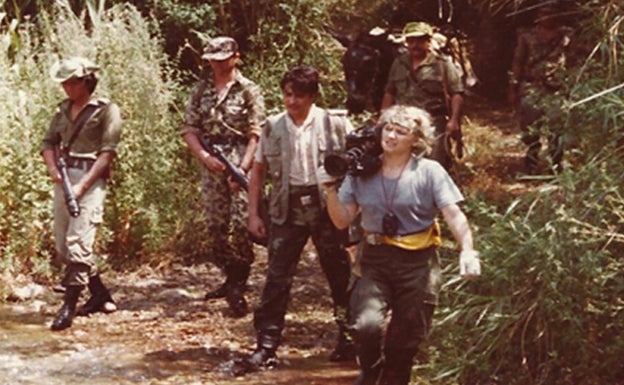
(417, 29)
(220, 48)
(73, 67)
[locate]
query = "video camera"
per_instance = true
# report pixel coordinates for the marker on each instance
(361, 157)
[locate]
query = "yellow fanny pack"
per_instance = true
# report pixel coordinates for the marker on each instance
(417, 241)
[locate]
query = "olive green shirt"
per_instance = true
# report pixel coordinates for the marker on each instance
(423, 87)
(101, 132)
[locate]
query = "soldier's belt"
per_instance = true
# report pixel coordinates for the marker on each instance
(301, 196)
(80, 163)
(416, 241)
(225, 140)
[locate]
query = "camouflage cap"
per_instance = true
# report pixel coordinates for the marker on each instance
(417, 29)
(220, 48)
(73, 67)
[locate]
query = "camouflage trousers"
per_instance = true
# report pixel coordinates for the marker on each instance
(227, 239)
(74, 237)
(406, 283)
(306, 218)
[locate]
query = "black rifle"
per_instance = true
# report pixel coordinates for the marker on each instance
(217, 152)
(70, 198)
(239, 178)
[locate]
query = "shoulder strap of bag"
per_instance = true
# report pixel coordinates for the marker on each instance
(88, 112)
(447, 95)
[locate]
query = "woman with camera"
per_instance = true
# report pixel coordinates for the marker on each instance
(398, 267)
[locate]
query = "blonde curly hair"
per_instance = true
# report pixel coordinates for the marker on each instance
(415, 119)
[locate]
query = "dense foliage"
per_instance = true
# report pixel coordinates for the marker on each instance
(549, 307)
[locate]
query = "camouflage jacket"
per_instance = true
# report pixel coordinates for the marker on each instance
(237, 114)
(541, 61)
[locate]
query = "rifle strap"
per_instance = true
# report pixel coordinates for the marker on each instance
(447, 95)
(88, 112)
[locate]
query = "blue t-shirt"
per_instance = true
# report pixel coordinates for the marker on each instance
(423, 189)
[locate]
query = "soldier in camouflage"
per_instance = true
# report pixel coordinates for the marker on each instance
(227, 110)
(535, 85)
(292, 148)
(422, 78)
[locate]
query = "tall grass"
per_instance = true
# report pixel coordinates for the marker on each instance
(144, 196)
(549, 308)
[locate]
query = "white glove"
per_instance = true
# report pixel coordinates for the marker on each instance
(469, 264)
(324, 179)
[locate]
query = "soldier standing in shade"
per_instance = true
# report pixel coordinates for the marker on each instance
(424, 79)
(87, 129)
(535, 84)
(226, 109)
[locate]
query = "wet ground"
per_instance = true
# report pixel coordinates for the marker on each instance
(165, 333)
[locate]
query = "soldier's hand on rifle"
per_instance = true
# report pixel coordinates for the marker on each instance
(55, 174)
(212, 163)
(452, 127)
(49, 157)
(235, 186)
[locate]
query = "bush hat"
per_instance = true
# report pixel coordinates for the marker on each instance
(220, 48)
(417, 29)
(73, 67)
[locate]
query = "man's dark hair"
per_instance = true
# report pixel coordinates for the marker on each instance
(303, 80)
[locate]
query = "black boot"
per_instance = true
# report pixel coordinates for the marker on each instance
(264, 356)
(65, 315)
(237, 274)
(219, 292)
(100, 299)
(236, 299)
(397, 369)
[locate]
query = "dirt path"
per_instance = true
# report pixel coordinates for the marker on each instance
(165, 333)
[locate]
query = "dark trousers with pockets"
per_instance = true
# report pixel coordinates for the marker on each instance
(306, 218)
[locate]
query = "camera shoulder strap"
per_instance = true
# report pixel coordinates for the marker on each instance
(327, 127)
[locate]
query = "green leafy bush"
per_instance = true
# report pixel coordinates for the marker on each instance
(144, 196)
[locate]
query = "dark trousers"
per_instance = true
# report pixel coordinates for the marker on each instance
(407, 283)
(306, 219)
(533, 122)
